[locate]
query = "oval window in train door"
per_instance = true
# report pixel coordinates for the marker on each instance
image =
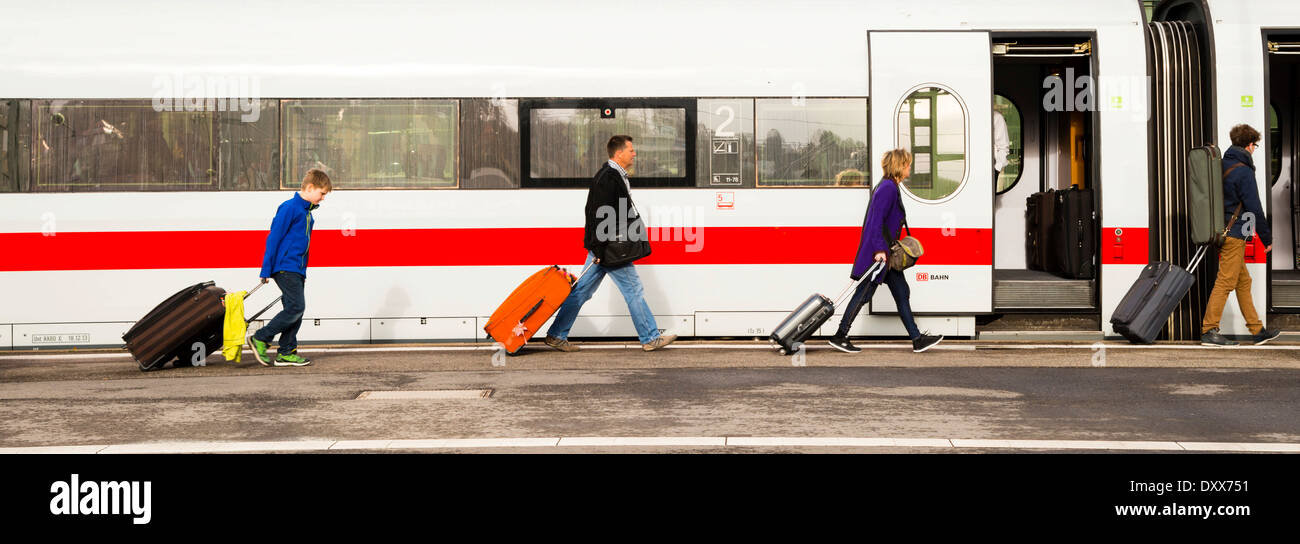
(932, 93)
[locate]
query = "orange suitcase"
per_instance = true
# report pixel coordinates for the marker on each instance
(529, 306)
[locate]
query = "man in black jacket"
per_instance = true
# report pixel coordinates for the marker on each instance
(1238, 187)
(609, 201)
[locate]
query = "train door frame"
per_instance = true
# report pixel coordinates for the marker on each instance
(1264, 34)
(1094, 142)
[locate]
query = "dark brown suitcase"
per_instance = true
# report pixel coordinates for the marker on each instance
(195, 314)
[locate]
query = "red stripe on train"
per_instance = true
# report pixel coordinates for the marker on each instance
(464, 247)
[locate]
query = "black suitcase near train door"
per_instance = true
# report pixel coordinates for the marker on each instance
(1040, 215)
(1073, 245)
(195, 314)
(1145, 309)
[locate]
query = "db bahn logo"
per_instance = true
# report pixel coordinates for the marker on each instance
(922, 276)
(926, 276)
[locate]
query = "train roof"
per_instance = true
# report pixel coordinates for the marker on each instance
(403, 48)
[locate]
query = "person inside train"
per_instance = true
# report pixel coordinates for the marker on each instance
(1238, 187)
(882, 226)
(610, 192)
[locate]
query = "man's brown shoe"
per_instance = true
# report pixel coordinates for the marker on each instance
(561, 344)
(657, 343)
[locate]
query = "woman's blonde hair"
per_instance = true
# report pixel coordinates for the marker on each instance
(894, 162)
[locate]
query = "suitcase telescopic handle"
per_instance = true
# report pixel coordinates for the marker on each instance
(259, 314)
(254, 289)
(876, 268)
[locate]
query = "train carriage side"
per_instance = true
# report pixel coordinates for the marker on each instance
(430, 144)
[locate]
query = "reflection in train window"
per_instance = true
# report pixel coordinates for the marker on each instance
(931, 122)
(8, 151)
(569, 143)
(249, 150)
(812, 142)
(489, 132)
(1013, 161)
(724, 142)
(372, 144)
(121, 145)
(1274, 146)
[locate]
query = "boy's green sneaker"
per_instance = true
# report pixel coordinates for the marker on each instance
(291, 359)
(259, 350)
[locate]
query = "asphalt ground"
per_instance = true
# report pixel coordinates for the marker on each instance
(961, 390)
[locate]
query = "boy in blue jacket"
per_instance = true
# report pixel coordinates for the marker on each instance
(285, 260)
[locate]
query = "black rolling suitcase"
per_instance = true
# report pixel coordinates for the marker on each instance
(1040, 215)
(811, 315)
(1073, 245)
(1145, 309)
(169, 331)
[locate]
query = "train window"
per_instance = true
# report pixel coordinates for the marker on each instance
(248, 155)
(8, 148)
(489, 144)
(812, 142)
(121, 145)
(1010, 174)
(372, 144)
(1274, 145)
(566, 140)
(725, 143)
(932, 124)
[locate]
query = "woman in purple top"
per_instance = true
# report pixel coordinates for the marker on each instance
(883, 224)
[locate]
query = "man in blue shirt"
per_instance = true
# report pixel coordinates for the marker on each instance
(285, 260)
(1238, 187)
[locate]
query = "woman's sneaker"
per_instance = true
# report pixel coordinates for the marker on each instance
(291, 359)
(924, 342)
(842, 343)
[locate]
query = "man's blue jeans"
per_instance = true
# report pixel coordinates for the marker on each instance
(287, 322)
(628, 282)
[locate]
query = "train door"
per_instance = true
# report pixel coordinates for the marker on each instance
(1044, 105)
(931, 93)
(1280, 143)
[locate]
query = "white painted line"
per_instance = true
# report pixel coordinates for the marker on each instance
(53, 450)
(1131, 346)
(756, 346)
(835, 441)
(474, 443)
(923, 443)
(360, 445)
(644, 441)
(1249, 447)
(219, 447)
(651, 441)
(1066, 444)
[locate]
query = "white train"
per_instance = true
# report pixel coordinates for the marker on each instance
(459, 137)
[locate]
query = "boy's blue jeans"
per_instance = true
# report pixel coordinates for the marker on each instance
(628, 282)
(287, 322)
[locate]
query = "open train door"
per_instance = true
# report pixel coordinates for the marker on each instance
(932, 92)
